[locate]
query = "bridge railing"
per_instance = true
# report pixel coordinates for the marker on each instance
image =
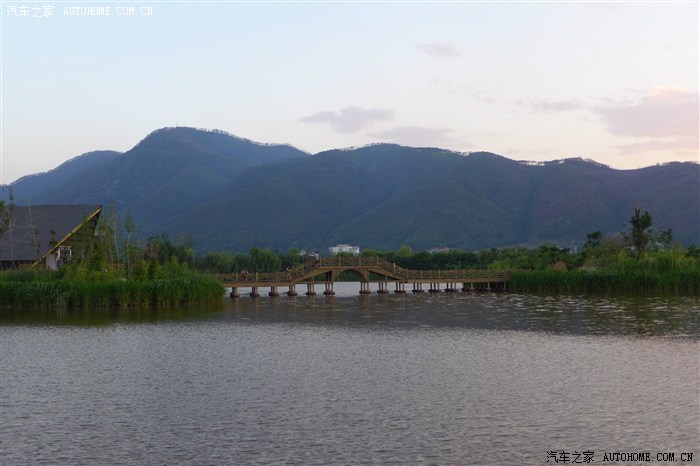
(392, 268)
(287, 276)
(458, 275)
(344, 261)
(382, 266)
(302, 269)
(362, 262)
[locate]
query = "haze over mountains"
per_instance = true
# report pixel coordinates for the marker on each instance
(230, 194)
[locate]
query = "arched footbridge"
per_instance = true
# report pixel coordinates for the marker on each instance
(325, 271)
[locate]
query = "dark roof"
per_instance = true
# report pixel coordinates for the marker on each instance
(18, 244)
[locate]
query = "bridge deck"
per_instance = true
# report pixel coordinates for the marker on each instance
(368, 269)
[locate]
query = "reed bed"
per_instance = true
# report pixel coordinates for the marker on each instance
(112, 293)
(582, 281)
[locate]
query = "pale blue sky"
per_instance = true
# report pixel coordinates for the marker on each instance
(613, 82)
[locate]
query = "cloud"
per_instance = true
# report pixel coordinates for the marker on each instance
(416, 136)
(546, 106)
(680, 146)
(477, 94)
(349, 119)
(667, 118)
(439, 49)
(666, 112)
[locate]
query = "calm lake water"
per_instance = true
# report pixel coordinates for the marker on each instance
(381, 379)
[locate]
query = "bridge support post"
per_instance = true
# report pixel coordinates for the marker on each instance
(364, 288)
(418, 288)
(254, 292)
(273, 291)
(467, 287)
(292, 291)
(310, 289)
(382, 288)
(234, 293)
(399, 288)
(434, 288)
(329, 289)
(451, 288)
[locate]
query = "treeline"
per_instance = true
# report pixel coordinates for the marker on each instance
(638, 249)
(115, 268)
(111, 269)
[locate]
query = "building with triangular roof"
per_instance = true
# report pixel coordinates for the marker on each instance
(44, 235)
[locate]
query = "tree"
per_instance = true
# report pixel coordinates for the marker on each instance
(405, 251)
(34, 232)
(2, 222)
(264, 260)
(593, 240)
(217, 262)
(639, 237)
(130, 229)
(665, 239)
(7, 222)
(108, 229)
(292, 258)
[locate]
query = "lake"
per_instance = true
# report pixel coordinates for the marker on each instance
(448, 378)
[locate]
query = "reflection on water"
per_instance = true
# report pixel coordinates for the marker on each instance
(106, 316)
(677, 316)
(415, 379)
(591, 314)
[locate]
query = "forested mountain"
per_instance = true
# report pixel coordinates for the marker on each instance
(230, 194)
(27, 187)
(168, 172)
(385, 195)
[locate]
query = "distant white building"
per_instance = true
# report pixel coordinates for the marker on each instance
(354, 250)
(439, 250)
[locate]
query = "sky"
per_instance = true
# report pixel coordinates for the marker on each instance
(615, 82)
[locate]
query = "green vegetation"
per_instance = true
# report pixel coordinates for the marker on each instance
(638, 260)
(118, 271)
(634, 261)
(609, 281)
(44, 289)
(113, 271)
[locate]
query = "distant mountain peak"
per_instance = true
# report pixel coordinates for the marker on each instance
(188, 132)
(377, 147)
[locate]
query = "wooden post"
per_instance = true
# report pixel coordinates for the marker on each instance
(310, 289)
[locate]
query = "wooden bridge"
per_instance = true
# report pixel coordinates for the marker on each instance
(325, 271)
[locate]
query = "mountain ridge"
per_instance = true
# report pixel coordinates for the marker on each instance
(230, 194)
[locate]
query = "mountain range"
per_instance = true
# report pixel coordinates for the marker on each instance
(230, 194)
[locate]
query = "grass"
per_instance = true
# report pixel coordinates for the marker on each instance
(43, 291)
(671, 282)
